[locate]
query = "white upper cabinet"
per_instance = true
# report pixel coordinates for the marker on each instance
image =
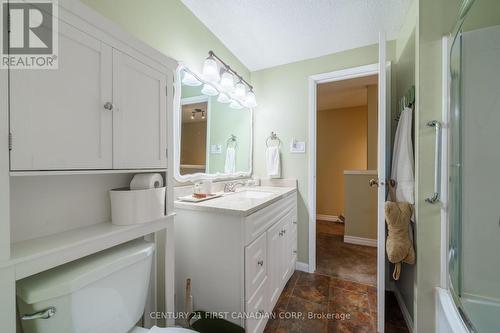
(105, 107)
(57, 116)
(140, 118)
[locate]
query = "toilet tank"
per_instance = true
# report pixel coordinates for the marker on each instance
(102, 293)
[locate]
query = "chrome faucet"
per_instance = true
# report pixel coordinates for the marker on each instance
(231, 186)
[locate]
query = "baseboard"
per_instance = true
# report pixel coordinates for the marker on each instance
(302, 266)
(331, 218)
(360, 241)
(404, 309)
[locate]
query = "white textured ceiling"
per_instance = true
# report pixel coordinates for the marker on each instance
(266, 33)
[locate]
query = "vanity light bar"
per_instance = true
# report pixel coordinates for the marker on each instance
(211, 54)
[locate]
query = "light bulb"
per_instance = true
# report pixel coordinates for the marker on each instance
(239, 90)
(250, 101)
(235, 105)
(223, 98)
(210, 70)
(202, 115)
(227, 81)
(209, 90)
(192, 115)
(190, 80)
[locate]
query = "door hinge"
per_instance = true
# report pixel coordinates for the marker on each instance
(10, 141)
(166, 152)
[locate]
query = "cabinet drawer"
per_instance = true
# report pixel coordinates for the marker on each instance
(255, 265)
(260, 221)
(256, 309)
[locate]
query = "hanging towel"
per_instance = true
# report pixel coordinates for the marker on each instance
(273, 163)
(230, 165)
(402, 159)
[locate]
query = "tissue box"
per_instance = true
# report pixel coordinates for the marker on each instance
(136, 206)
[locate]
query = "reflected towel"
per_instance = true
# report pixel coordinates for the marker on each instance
(273, 163)
(230, 165)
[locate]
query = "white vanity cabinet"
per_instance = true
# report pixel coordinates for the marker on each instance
(105, 107)
(238, 261)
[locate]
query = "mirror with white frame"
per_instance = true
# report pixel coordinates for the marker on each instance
(212, 140)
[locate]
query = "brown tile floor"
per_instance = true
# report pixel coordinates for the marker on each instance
(345, 261)
(324, 303)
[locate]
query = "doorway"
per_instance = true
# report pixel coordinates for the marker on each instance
(383, 140)
(346, 162)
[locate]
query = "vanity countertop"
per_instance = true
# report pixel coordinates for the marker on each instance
(239, 203)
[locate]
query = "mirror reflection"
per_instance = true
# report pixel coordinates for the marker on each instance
(216, 137)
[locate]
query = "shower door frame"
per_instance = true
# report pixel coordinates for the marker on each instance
(445, 278)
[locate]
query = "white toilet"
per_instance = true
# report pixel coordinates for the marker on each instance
(101, 293)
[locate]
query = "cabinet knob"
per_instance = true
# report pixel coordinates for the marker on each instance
(294, 251)
(294, 222)
(109, 106)
(260, 262)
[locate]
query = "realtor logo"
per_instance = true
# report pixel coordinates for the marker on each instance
(29, 34)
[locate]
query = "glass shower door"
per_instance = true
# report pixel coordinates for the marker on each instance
(474, 182)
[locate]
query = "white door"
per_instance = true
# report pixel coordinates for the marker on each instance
(383, 173)
(57, 116)
(140, 114)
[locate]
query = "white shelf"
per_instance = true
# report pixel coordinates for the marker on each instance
(39, 254)
(80, 172)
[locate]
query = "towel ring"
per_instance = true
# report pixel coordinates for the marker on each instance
(271, 138)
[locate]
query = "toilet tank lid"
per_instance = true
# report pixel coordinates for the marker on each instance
(70, 277)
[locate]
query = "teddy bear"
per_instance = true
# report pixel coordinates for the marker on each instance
(398, 244)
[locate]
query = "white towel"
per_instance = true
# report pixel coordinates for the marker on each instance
(273, 163)
(230, 165)
(402, 160)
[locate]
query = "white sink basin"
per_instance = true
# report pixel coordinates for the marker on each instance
(252, 194)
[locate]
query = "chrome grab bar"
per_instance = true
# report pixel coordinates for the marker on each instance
(43, 314)
(437, 162)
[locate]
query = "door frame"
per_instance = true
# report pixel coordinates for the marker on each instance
(314, 80)
(195, 100)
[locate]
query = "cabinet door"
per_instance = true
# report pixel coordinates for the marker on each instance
(292, 245)
(140, 114)
(276, 260)
(57, 116)
(255, 265)
(285, 248)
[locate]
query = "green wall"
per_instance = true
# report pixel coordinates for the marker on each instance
(436, 19)
(405, 68)
(167, 25)
(282, 94)
(225, 121)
